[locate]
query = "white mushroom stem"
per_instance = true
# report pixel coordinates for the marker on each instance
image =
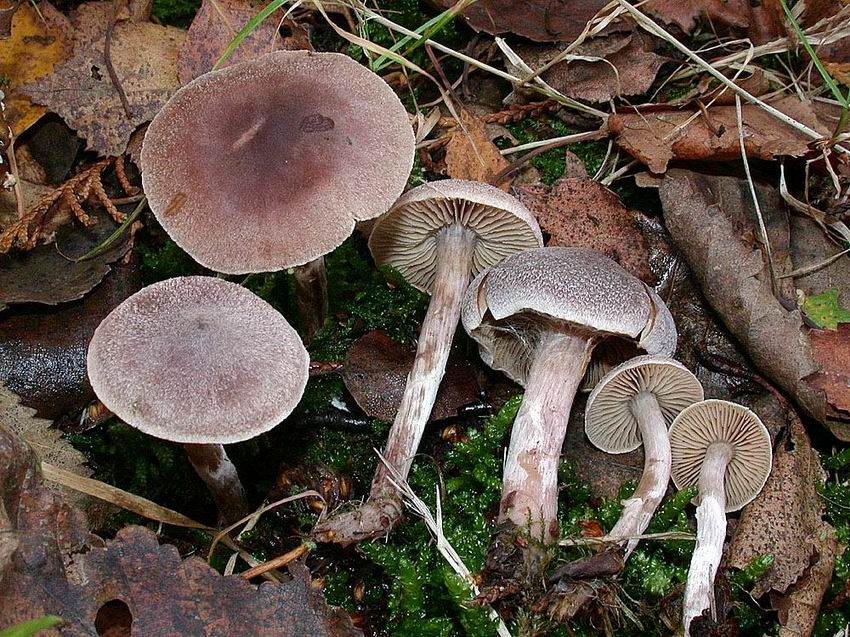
(639, 509)
(311, 294)
(455, 246)
(711, 532)
(219, 474)
(530, 482)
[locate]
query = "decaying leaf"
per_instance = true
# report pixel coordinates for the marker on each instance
(57, 568)
(43, 350)
(215, 25)
(582, 212)
(825, 310)
(470, 154)
(625, 65)
(700, 212)
(763, 21)
(831, 350)
(656, 138)
(144, 56)
(35, 46)
(788, 537)
(375, 373)
(47, 274)
(538, 20)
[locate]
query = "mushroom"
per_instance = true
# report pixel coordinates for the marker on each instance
(632, 405)
(537, 316)
(203, 362)
(724, 449)
(268, 164)
(438, 236)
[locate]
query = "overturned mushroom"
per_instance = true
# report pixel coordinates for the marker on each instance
(268, 164)
(724, 449)
(438, 236)
(633, 405)
(203, 362)
(537, 317)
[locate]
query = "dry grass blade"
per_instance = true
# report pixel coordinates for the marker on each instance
(671, 535)
(836, 230)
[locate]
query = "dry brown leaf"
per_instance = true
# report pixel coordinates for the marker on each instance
(80, 90)
(471, 155)
(628, 67)
(215, 25)
(32, 51)
(762, 21)
(831, 350)
(538, 20)
(791, 489)
(376, 369)
(582, 212)
(700, 212)
(656, 138)
(56, 567)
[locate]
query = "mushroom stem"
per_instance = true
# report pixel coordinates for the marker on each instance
(639, 509)
(530, 482)
(455, 245)
(311, 293)
(219, 474)
(711, 532)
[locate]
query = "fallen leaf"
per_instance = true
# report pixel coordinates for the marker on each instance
(215, 25)
(44, 275)
(57, 568)
(7, 12)
(656, 138)
(43, 350)
(825, 311)
(583, 213)
(471, 155)
(375, 372)
(627, 66)
(831, 350)
(791, 489)
(763, 21)
(144, 56)
(538, 20)
(811, 246)
(32, 51)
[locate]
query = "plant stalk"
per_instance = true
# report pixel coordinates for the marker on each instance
(711, 532)
(530, 482)
(219, 474)
(311, 293)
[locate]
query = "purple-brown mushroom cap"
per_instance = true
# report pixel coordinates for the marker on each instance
(198, 360)
(269, 164)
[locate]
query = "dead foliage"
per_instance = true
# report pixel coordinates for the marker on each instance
(831, 351)
(470, 154)
(763, 21)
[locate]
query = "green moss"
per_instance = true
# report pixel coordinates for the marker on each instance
(178, 13)
(164, 262)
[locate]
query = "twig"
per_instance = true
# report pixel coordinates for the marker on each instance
(282, 560)
(107, 58)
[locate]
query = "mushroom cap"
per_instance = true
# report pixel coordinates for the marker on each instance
(268, 164)
(508, 305)
(198, 359)
(405, 237)
(698, 426)
(609, 422)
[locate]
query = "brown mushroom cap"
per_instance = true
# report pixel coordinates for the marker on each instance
(698, 426)
(508, 304)
(405, 237)
(268, 164)
(609, 421)
(199, 360)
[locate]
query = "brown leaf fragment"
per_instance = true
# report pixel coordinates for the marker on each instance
(764, 22)
(791, 490)
(700, 213)
(538, 20)
(584, 213)
(656, 138)
(216, 24)
(80, 90)
(625, 65)
(7, 12)
(799, 608)
(58, 568)
(831, 350)
(375, 373)
(471, 155)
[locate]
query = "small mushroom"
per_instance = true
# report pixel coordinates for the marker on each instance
(438, 236)
(268, 164)
(537, 316)
(203, 362)
(634, 404)
(724, 449)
